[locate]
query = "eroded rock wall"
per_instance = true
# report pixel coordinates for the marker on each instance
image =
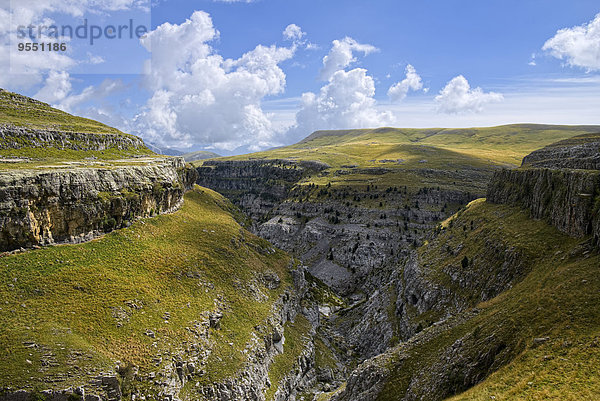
(567, 199)
(255, 185)
(40, 207)
(12, 137)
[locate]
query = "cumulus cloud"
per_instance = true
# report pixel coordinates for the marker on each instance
(198, 97)
(579, 46)
(341, 55)
(346, 101)
(58, 91)
(293, 32)
(91, 94)
(56, 87)
(19, 70)
(398, 91)
(458, 96)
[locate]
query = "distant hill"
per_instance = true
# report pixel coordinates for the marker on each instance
(164, 151)
(417, 157)
(199, 155)
(501, 144)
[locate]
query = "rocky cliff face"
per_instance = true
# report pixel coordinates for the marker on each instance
(253, 380)
(580, 152)
(12, 137)
(255, 185)
(568, 199)
(559, 183)
(40, 207)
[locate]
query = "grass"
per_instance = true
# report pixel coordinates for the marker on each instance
(502, 145)
(199, 155)
(417, 157)
(64, 298)
(41, 158)
(556, 298)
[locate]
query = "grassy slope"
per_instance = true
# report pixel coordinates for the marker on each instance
(558, 298)
(442, 149)
(25, 112)
(499, 145)
(61, 297)
(199, 155)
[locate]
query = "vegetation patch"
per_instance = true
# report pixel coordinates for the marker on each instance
(539, 335)
(72, 311)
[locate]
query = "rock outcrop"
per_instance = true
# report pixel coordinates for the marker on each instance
(12, 137)
(580, 152)
(567, 199)
(252, 382)
(559, 183)
(41, 207)
(255, 185)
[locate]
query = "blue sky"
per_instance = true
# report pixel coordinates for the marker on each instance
(224, 76)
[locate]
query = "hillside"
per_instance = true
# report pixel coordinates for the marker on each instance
(401, 148)
(452, 159)
(190, 289)
(427, 303)
(199, 155)
(539, 334)
(35, 135)
(23, 111)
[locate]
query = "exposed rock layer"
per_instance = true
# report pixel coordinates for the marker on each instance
(255, 185)
(567, 199)
(580, 152)
(47, 207)
(12, 137)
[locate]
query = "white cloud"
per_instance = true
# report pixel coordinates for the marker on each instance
(293, 32)
(398, 91)
(93, 94)
(457, 97)
(56, 87)
(201, 98)
(20, 70)
(57, 90)
(346, 101)
(579, 45)
(532, 61)
(341, 55)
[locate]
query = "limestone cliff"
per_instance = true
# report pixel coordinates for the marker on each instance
(579, 152)
(255, 185)
(40, 207)
(13, 137)
(559, 183)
